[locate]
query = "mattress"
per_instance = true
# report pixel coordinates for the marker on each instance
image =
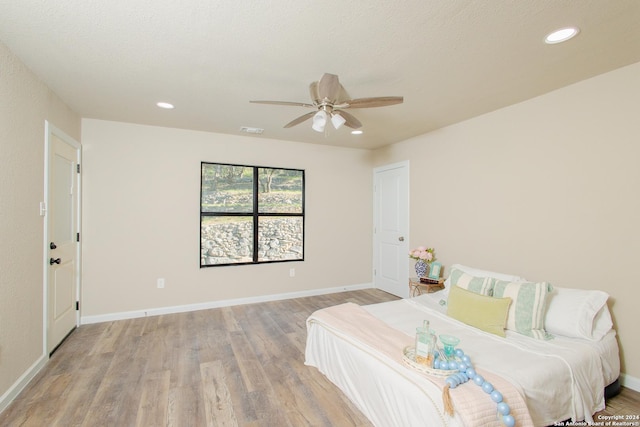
(559, 379)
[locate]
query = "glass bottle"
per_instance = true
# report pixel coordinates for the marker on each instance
(425, 344)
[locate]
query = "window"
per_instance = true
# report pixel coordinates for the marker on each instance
(250, 214)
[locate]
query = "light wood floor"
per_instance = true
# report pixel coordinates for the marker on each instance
(230, 366)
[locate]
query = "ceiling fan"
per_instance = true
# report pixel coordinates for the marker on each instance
(329, 100)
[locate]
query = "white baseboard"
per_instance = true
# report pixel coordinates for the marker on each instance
(85, 320)
(22, 382)
(630, 382)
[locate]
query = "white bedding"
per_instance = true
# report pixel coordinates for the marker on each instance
(560, 379)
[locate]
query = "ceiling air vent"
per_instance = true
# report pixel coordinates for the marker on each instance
(247, 129)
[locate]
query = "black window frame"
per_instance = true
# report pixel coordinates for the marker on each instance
(255, 214)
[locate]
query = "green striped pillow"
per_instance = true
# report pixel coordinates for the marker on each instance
(528, 306)
(479, 285)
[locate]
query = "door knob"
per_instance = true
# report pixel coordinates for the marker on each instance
(54, 261)
(401, 238)
(52, 245)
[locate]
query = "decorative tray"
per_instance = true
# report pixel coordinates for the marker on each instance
(409, 358)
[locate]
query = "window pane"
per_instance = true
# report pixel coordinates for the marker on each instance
(226, 240)
(280, 190)
(227, 188)
(280, 238)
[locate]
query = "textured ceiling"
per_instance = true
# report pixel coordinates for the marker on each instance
(451, 60)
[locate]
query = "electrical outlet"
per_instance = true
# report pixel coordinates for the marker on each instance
(160, 283)
(292, 272)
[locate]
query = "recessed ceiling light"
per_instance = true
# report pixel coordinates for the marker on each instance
(165, 105)
(561, 35)
(356, 132)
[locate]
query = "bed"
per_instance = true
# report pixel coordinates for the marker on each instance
(558, 377)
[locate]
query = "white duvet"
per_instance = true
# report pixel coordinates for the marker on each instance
(560, 379)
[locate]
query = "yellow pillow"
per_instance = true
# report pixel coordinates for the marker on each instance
(480, 311)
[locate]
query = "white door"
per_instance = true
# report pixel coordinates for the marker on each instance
(62, 246)
(391, 229)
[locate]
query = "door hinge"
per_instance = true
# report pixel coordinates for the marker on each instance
(78, 167)
(77, 237)
(77, 305)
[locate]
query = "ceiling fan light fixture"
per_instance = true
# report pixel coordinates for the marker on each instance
(561, 35)
(337, 120)
(356, 132)
(319, 121)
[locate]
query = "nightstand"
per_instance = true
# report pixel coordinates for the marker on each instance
(416, 287)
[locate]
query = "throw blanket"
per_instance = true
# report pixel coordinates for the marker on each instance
(473, 405)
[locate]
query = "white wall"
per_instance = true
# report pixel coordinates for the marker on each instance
(546, 189)
(25, 104)
(141, 218)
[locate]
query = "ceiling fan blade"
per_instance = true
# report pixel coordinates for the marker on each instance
(328, 87)
(380, 101)
(300, 119)
(293, 104)
(351, 121)
(313, 91)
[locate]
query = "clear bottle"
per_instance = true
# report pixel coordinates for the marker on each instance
(425, 344)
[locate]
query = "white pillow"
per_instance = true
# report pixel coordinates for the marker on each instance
(478, 273)
(578, 313)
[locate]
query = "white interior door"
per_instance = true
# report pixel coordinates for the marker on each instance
(62, 246)
(391, 229)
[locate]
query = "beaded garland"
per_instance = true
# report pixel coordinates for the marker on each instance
(465, 372)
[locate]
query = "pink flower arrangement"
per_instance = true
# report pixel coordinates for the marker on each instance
(423, 253)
